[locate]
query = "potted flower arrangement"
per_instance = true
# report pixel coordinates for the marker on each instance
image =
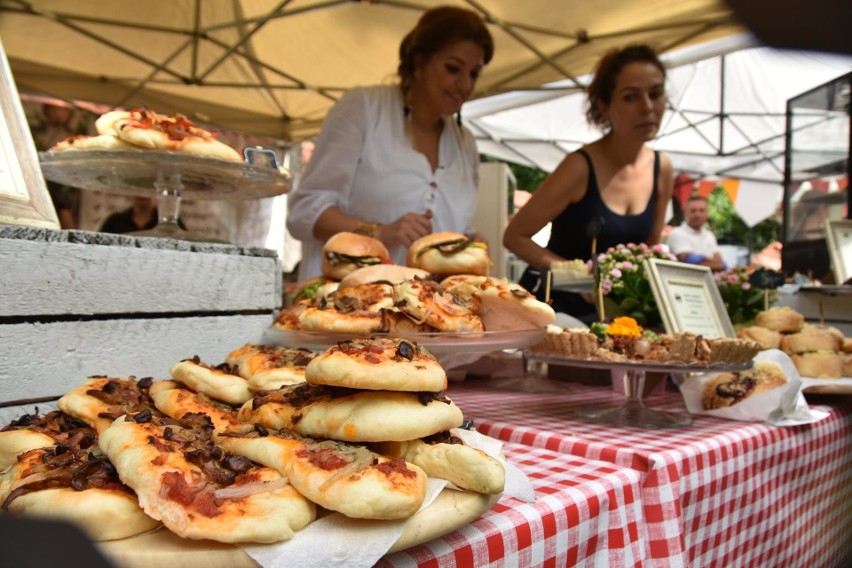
(625, 288)
(742, 298)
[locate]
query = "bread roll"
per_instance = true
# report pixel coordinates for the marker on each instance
(819, 365)
(783, 319)
(767, 338)
(804, 343)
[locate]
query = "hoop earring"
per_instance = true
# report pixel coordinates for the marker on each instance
(458, 118)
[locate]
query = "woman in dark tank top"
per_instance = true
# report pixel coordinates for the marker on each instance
(617, 179)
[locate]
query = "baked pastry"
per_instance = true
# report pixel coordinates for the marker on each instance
(767, 338)
(567, 343)
(728, 389)
(729, 350)
(575, 269)
(847, 345)
(783, 319)
(819, 365)
(806, 342)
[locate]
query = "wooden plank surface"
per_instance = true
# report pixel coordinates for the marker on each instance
(64, 278)
(46, 359)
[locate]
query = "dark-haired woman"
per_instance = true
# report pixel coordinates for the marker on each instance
(617, 178)
(393, 161)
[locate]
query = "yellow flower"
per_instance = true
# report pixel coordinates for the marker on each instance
(624, 326)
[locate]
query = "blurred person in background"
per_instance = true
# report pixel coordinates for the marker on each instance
(692, 241)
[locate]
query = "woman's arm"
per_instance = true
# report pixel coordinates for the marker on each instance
(564, 186)
(665, 185)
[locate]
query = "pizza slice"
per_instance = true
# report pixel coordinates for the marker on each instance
(346, 478)
(196, 488)
(75, 483)
(101, 399)
(445, 456)
(267, 367)
(351, 415)
(355, 309)
(221, 382)
(32, 431)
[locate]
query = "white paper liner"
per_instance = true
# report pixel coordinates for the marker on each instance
(783, 406)
(336, 540)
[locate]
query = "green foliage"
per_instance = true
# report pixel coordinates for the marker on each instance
(726, 222)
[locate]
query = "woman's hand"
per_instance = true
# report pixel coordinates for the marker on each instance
(406, 229)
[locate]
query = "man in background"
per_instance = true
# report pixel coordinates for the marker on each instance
(692, 242)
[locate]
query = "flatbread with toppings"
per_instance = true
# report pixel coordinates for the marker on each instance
(221, 382)
(179, 401)
(75, 483)
(341, 477)
(355, 309)
(445, 456)
(100, 399)
(267, 367)
(426, 301)
(382, 363)
(353, 415)
(100, 142)
(500, 304)
(32, 431)
(148, 129)
(196, 488)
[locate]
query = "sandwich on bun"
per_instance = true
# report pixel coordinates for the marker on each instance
(345, 252)
(447, 253)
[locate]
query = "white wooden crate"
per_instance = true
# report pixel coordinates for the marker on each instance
(75, 304)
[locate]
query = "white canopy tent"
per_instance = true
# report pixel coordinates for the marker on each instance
(727, 117)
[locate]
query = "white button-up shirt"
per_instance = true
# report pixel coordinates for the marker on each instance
(364, 165)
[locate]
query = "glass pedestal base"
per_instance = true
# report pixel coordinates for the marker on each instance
(633, 413)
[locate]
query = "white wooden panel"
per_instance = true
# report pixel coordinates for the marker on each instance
(492, 212)
(44, 278)
(38, 360)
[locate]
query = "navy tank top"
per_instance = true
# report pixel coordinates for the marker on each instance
(568, 236)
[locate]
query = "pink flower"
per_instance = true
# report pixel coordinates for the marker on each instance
(616, 273)
(643, 246)
(606, 285)
(746, 285)
(732, 279)
(626, 265)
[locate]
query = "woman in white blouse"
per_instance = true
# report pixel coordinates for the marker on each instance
(391, 162)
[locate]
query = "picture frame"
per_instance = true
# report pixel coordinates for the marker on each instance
(838, 236)
(688, 299)
(24, 198)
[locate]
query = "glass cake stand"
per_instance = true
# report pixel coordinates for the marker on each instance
(633, 412)
(169, 176)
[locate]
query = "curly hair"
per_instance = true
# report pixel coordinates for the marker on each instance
(601, 88)
(435, 29)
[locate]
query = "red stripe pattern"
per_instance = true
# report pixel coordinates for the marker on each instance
(717, 493)
(586, 512)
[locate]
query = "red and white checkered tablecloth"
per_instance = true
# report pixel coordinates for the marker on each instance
(717, 493)
(586, 513)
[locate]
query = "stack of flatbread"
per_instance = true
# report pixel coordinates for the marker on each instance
(372, 300)
(248, 450)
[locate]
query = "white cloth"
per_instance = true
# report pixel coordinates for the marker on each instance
(364, 165)
(685, 239)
